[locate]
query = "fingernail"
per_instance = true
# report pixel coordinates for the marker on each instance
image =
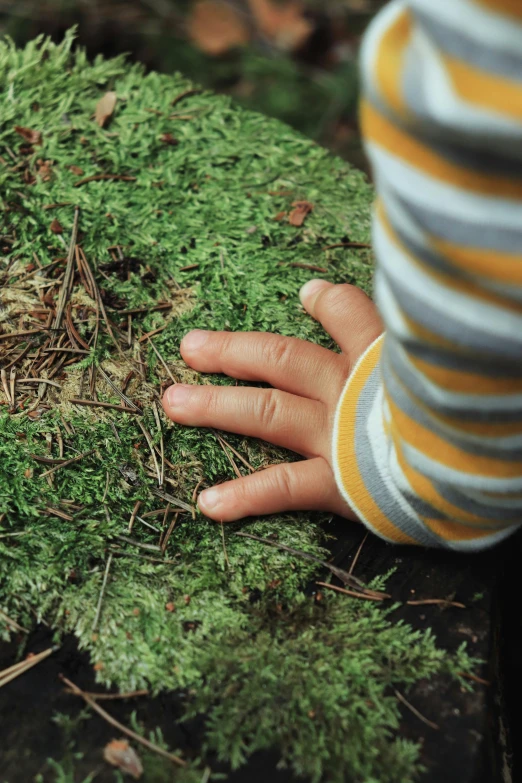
(193, 341)
(312, 287)
(209, 499)
(178, 394)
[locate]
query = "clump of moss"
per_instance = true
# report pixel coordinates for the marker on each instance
(218, 615)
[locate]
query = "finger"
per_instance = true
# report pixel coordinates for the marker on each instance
(281, 418)
(346, 313)
(289, 364)
(298, 486)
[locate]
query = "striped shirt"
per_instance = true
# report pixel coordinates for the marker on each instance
(428, 431)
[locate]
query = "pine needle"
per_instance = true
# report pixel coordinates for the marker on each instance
(117, 725)
(20, 668)
(102, 591)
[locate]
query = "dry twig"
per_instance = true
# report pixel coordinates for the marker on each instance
(162, 360)
(416, 712)
(7, 619)
(436, 602)
(132, 734)
(7, 675)
(352, 593)
(67, 462)
(344, 576)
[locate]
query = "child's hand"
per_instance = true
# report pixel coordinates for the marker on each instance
(296, 413)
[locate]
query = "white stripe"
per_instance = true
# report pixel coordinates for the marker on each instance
(371, 41)
(478, 544)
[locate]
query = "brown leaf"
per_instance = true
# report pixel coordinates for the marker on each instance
(216, 27)
(168, 138)
(32, 136)
(280, 215)
(283, 23)
(297, 216)
(44, 170)
(56, 227)
(76, 170)
(120, 754)
(105, 108)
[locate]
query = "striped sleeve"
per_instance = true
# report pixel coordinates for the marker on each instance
(428, 431)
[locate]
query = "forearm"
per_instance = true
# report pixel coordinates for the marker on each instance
(436, 419)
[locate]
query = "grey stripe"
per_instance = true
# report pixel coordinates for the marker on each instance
(370, 474)
(460, 409)
(451, 328)
(487, 448)
(487, 236)
(466, 503)
(456, 43)
(465, 363)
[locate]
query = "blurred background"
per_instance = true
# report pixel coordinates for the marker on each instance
(292, 59)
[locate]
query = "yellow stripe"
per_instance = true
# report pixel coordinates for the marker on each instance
(484, 429)
(439, 450)
(493, 264)
(376, 128)
(452, 531)
(390, 61)
(424, 489)
(507, 7)
(495, 93)
(346, 457)
(466, 382)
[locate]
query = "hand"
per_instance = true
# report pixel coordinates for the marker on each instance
(297, 413)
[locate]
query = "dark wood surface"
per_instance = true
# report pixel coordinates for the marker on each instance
(474, 739)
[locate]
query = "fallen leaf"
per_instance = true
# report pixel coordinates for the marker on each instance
(76, 170)
(105, 108)
(216, 27)
(170, 607)
(302, 209)
(56, 226)
(280, 215)
(120, 754)
(168, 138)
(32, 136)
(283, 23)
(44, 170)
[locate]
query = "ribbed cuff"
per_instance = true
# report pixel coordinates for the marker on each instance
(352, 450)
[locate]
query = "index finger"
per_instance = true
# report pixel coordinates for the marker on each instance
(289, 364)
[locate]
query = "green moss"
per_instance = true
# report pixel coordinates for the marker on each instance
(311, 680)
